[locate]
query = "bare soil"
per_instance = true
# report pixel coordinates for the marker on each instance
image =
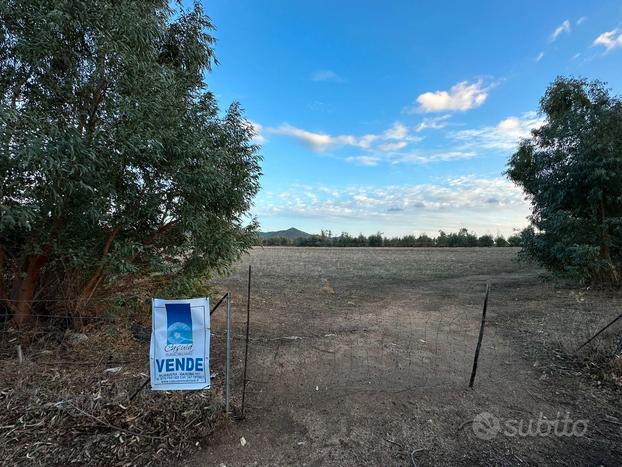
(362, 356)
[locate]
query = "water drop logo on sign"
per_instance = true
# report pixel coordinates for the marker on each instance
(179, 321)
(180, 344)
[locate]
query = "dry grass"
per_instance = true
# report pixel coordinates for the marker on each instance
(360, 356)
(69, 402)
(341, 338)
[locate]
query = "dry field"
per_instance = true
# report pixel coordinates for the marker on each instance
(362, 356)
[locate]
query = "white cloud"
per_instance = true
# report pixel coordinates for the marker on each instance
(369, 161)
(259, 138)
(422, 158)
(459, 192)
(397, 131)
(581, 20)
(504, 136)
(462, 96)
(610, 40)
(562, 28)
(320, 142)
(327, 75)
(394, 157)
(540, 56)
(398, 135)
(366, 141)
(479, 203)
(316, 141)
(391, 147)
(433, 123)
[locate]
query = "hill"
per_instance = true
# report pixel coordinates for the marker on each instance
(289, 233)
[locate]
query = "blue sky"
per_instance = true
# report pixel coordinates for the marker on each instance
(399, 116)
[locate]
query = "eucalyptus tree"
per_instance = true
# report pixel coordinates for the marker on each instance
(114, 156)
(571, 170)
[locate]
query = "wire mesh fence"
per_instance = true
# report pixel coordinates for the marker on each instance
(312, 339)
(357, 328)
(341, 345)
(325, 345)
(387, 350)
(107, 335)
(322, 328)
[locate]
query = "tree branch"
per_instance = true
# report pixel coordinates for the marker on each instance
(91, 285)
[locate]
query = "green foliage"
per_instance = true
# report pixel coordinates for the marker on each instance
(501, 241)
(442, 240)
(515, 240)
(486, 241)
(462, 238)
(424, 241)
(571, 170)
(188, 286)
(114, 156)
(375, 240)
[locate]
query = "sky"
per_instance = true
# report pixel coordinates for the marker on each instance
(399, 116)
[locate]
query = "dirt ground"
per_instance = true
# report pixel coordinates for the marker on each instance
(362, 356)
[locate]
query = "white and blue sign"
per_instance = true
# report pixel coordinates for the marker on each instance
(180, 341)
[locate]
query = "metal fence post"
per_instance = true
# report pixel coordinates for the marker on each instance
(480, 337)
(228, 362)
(248, 320)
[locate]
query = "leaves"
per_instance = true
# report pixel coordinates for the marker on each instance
(105, 121)
(571, 170)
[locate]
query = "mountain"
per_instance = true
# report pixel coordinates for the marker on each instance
(289, 233)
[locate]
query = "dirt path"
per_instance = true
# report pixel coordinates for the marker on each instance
(362, 356)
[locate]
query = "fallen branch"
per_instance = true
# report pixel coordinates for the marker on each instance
(393, 442)
(412, 455)
(113, 427)
(463, 424)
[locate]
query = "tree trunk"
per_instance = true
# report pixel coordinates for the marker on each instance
(98, 275)
(4, 294)
(25, 289)
(611, 275)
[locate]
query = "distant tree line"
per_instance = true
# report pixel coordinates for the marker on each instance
(462, 238)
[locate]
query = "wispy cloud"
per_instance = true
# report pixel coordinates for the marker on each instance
(391, 147)
(320, 142)
(397, 157)
(426, 157)
(460, 97)
(366, 160)
(470, 201)
(540, 56)
(394, 138)
(316, 141)
(257, 130)
(504, 136)
(559, 30)
(609, 40)
(434, 123)
(397, 131)
(581, 20)
(327, 75)
(394, 146)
